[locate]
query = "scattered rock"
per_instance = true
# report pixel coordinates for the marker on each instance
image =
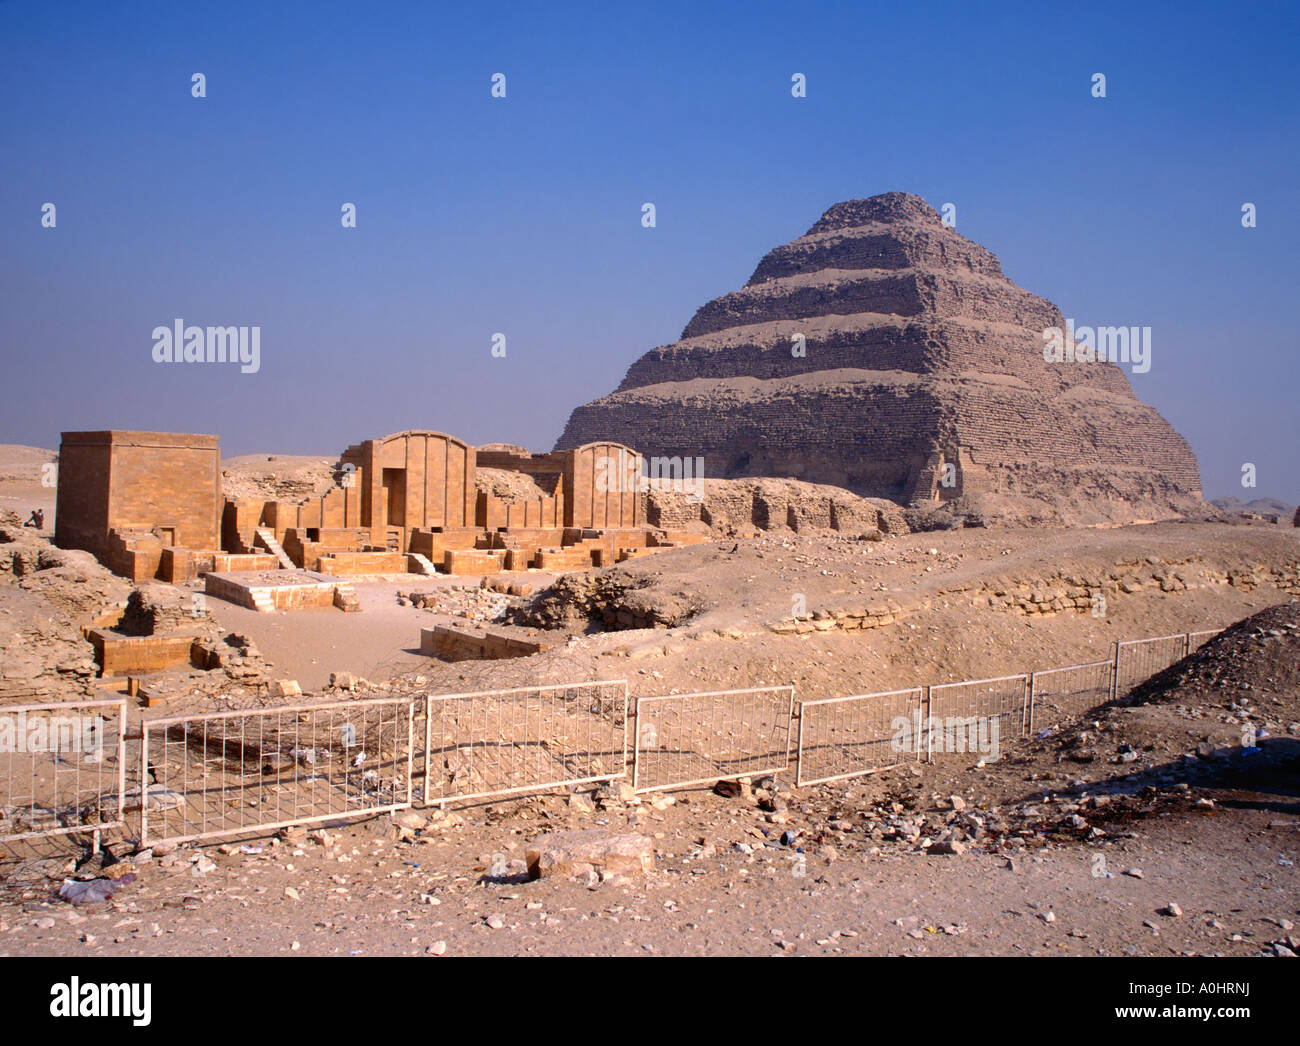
(593, 850)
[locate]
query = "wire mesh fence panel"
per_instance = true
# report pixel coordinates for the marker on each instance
(702, 738)
(842, 737)
(61, 768)
(976, 716)
(1056, 694)
(1196, 640)
(525, 739)
(230, 773)
(1139, 659)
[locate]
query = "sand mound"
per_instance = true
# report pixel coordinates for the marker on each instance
(1257, 658)
(1226, 717)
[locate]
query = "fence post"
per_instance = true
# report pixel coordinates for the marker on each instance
(410, 754)
(121, 767)
(798, 754)
(1030, 709)
(635, 717)
(925, 725)
(795, 710)
(920, 721)
(144, 783)
(428, 752)
(628, 719)
(1187, 644)
(1114, 672)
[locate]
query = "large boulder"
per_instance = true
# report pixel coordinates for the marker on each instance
(585, 852)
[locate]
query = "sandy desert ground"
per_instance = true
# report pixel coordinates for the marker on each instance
(1189, 849)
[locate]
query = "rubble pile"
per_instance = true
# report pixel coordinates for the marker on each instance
(470, 602)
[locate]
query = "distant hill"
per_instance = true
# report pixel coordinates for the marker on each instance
(21, 489)
(1259, 506)
(17, 460)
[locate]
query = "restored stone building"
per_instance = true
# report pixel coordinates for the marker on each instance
(595, 482)
(150, 505)
(121, 491)
(410, 481)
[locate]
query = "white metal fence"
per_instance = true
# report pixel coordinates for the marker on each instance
(842, 737)
(976, 716)
(1059, 693)
(229, 773)
(66, 769)
(1139, 659)
(699, 738)
(525, 739)
(62, 768)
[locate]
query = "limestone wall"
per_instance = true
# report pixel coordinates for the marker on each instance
(138, 482)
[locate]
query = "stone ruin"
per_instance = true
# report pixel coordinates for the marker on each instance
(884, 353)
(150, 505)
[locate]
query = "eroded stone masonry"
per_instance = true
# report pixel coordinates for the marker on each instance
(884, 353)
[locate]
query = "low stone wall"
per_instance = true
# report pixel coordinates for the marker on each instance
(1057, 594)
(119, 655)
(225, 562)
(433, 545)
(563, 558)
(743, 507)
(473, 561)
(458, 644)
(1084, 593)
(264, 597)
(109, 617)
(526, 537)
(135, 557)
(358, 564)
(847, 619)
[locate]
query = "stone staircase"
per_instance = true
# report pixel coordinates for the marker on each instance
(422, 563)
(262, 601)
(245, 542)
(269, 542)
(345, 598)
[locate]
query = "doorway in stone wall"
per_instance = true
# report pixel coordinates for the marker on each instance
(394, 481)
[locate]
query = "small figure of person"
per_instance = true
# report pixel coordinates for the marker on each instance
(36, 519)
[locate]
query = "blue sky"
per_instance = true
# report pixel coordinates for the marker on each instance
(522, 215)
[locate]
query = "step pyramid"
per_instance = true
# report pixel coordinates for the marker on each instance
(885, 353)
